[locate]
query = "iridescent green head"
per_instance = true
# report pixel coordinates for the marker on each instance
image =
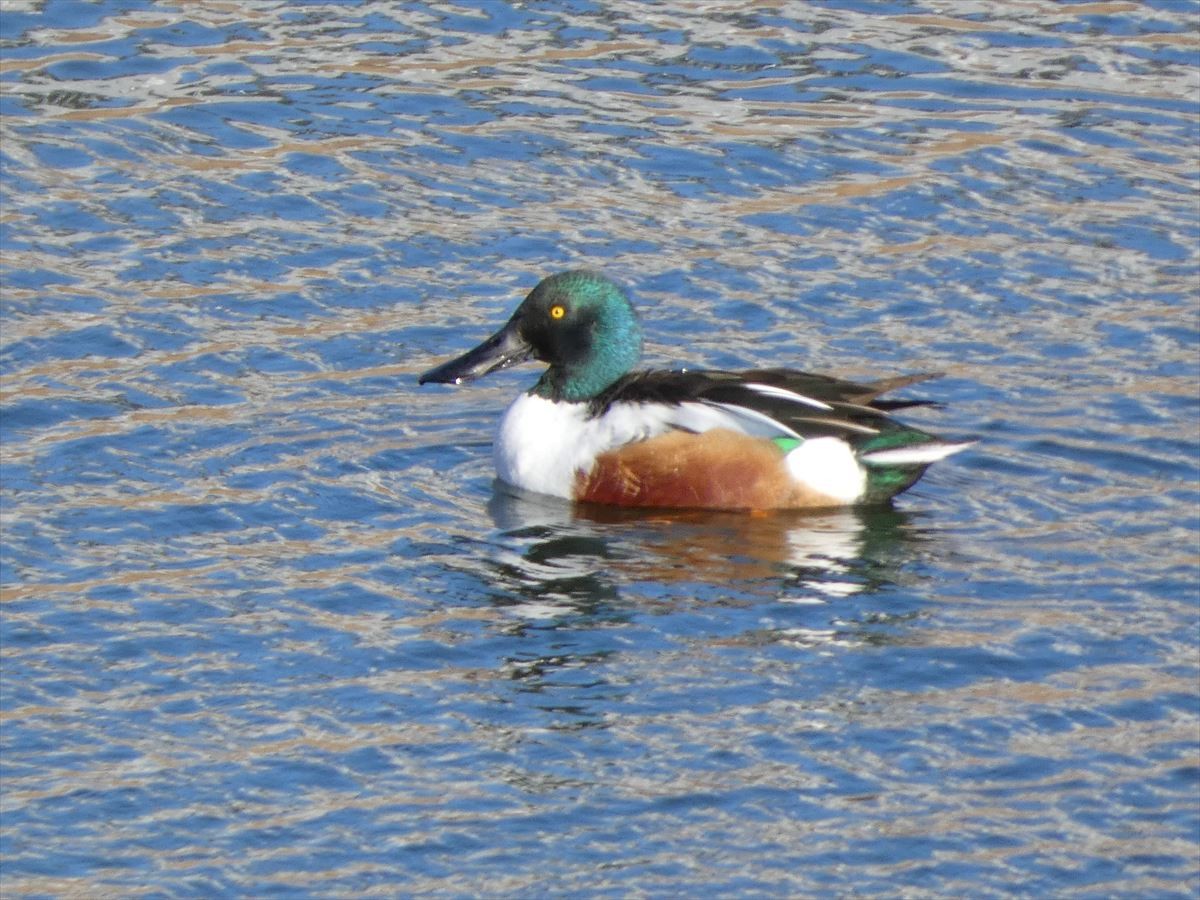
(578, 322)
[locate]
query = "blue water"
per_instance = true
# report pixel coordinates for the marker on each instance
(270, 629)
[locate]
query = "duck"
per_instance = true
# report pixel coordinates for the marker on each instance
(594, 429)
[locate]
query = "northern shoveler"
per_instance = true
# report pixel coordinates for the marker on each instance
(592, 430)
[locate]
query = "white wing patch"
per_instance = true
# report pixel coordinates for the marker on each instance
(737, 418)
(769, 390)
(921, 454)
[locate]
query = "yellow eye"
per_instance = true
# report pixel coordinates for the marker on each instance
(557, 311)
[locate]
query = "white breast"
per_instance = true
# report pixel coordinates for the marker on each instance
(537, 445)
(541, 444)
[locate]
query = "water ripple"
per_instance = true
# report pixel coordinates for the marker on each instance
(270, 627)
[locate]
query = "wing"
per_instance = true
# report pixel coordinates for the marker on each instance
(767, 402)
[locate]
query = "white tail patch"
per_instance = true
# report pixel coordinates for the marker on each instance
(920, 455)
(827, 465)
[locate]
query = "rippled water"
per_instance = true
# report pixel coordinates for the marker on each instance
(270, 629)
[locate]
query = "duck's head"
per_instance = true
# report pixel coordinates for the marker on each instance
(579, 322)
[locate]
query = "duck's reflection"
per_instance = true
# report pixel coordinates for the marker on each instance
(560, 551)
(566, 573)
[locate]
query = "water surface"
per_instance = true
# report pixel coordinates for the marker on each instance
(269, 628)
